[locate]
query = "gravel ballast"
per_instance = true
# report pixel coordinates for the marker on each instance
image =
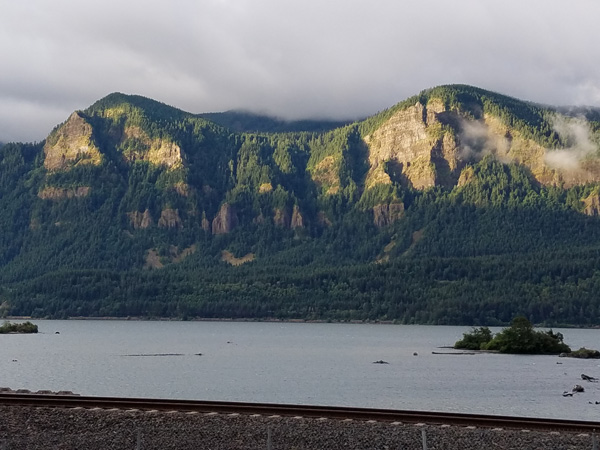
(90, 429)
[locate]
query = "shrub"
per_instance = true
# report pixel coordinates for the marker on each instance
(25, 327)
(475, 340)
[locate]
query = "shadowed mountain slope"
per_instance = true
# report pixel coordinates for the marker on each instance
(457, 205)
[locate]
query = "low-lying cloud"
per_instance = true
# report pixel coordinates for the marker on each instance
(576, 135)
(476, 141)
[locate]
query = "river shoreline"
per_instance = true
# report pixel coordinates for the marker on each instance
(275, 320)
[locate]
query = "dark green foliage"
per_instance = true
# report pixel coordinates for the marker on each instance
(478, 254)
(475, 340)
(25, 327)
(242, 121)
(533, 121)
(520, 337)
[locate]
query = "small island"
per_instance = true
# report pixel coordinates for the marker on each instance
(25, 327)
(519, 338)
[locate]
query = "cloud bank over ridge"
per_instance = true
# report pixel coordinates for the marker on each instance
(294, 59)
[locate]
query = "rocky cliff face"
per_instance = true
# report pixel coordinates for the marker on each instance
(591, 205)
(281, 217)
(140, 220)
(138, 146)
(411, 148)
(423, 145)
(225, 220)
(297, 219)
(71, 144)
(384, 215)
(567, 167)
(169, 218)
(326, 176)
(426, 145)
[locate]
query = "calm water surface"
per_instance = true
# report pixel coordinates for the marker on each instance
(325, 364)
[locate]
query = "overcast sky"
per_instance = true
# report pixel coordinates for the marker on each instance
(290, 58)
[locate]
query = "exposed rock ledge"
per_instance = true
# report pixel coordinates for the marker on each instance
(229, 257)
(56, 193)
(384, 215)
(225, 220)
(160, 152)
(140, 220)
(592, 205)
(71, 144)
(169, 218)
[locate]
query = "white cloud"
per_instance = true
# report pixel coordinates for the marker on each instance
(576, 135)
(340, 58)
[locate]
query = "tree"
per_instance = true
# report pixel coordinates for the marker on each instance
(520, 337)
(475, 340)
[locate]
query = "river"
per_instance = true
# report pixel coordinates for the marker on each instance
(299, 363)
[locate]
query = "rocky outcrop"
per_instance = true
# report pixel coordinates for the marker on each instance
(56, 193)
(466, 176)
(71, 144)
(137, 145)
(153, 260)
(405, 141)
(416, 147)
(182, 189)
(179, 255)
(281, 217)
(230, 258)
(169, 218)
(426, 145)
(591, 205)
(297, 219)
(165, 153)
(384, 215)
(265, 187)
(140, 220)
(225, 220)
(510, 146)
(326, 176)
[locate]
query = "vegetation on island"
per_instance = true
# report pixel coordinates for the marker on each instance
(519, 337)
(124, 235)
(24, 327)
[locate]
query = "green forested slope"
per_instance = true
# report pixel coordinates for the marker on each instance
(496, 244)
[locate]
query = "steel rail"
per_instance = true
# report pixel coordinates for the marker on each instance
(309, 411)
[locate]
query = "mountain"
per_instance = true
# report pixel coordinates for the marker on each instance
(245, 121)
(455, 206)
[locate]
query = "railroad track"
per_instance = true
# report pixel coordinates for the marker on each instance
(268, 409)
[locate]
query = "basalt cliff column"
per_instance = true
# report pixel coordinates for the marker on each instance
(225, 220)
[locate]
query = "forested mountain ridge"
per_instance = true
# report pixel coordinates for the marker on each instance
(419, 214)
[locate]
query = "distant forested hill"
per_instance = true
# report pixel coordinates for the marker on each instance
(244, 121)
(455, 206)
